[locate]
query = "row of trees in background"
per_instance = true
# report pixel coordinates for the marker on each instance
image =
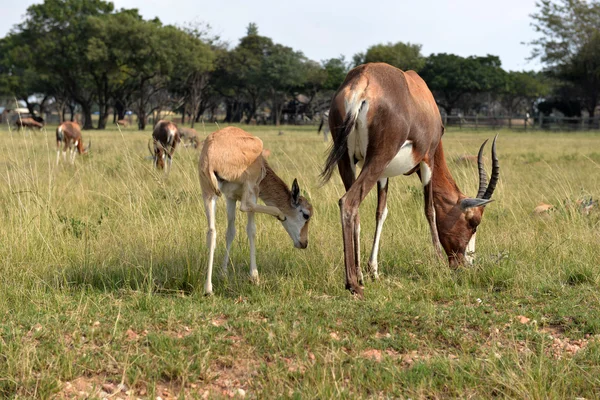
(84, 54)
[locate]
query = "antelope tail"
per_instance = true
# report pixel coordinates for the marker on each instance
(339, 147)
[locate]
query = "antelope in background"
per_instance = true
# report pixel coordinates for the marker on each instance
(189, 135)
(165, 138)
(387, 122)
(29, 123)
(324, 125)
(69, 133)
(232, 163)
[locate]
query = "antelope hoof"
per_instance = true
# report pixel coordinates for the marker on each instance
(281, 217)
(254, 279)
(372, 269)
(208, 290)
(356, 291)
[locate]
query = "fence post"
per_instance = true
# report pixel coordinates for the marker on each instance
(445, 119)
(476, 122)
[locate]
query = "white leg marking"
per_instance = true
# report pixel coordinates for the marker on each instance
(230, 235)
(57, 156)
(373, 261)
(251, 231)
(211, 240)
(425, 173)
(357, 240)
(64, 155)
(470, 251)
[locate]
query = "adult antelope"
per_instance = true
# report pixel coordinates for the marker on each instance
(387, 122)
(232, 164)
(165, 138)
(29, 123)
(69, 133)
(324, 124)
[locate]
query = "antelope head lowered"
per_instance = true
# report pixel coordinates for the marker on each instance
(232, 163)
(69, 133)
(165, 138)
(386, 122)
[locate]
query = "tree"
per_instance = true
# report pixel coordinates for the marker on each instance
(284, 74)
(58, 33)
(521, 89)
(569, 45)
(405, 56)
(451, 77)
(336, 70)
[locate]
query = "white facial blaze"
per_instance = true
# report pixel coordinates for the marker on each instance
(294, 224)
(470, 251)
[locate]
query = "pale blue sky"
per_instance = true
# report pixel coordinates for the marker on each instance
(324, 29)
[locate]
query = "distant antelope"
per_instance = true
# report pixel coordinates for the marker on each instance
(387, 122)
(69, 133)
(123, 122)
(190, 136)
(28, 123)
(324, 125)
(165, 138)
(232, 163)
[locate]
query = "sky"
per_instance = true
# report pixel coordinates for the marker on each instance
(326, 29)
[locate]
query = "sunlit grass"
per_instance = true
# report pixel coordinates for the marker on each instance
(102, 267)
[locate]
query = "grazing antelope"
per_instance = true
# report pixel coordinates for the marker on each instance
(324, 125)
(165, 138)
(69, 133)
(28, 123)
(387, 122)
(190, 136)
(232, 163)
(123, 122)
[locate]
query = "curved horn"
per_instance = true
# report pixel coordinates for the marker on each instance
(495, 172)
(482, 174)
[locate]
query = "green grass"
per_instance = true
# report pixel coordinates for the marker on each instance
(102, 267)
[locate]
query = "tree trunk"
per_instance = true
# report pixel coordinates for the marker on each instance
(120, 109)
(86, 109)
(103, 118)
(72, 112)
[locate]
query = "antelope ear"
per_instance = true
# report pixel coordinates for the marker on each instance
(467, 203)
(295, 192)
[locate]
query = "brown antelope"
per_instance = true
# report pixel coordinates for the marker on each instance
(190, 136)
(165, 138)
(232, 164)
(123, 122)
(387, 122)
(28, 123)
(69, 133)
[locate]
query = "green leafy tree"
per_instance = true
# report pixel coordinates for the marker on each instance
(336, 70)
(59, 33)
(451, 77)
(521, 89)
(405, 56)
(284, 74)
(569, 45)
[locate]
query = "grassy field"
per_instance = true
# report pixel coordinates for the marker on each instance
(102, 266)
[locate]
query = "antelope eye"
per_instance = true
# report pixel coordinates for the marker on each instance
(306, 216)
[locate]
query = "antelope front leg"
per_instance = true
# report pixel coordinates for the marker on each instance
(380, 216)
(230, 235)
(248, 204)
(74, 152)
(211, 240)
(425, 175)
